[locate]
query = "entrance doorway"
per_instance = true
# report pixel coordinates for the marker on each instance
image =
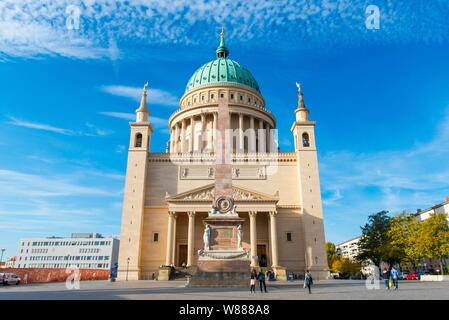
(182, 254)
(262, 255)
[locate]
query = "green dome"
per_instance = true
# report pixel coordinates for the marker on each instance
(222, 70)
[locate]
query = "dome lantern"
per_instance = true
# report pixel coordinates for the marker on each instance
(222, 51)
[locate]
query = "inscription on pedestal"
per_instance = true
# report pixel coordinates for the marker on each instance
(223, 238)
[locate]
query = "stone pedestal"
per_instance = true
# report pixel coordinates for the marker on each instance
(281, 273)
(224, 263)
(164, 274)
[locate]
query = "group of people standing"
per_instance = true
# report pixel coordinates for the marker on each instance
(257, 277)
(260, 277)
(391, 278)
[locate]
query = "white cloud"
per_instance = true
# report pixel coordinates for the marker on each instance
(49, 203)
(155, 121)
(15, 183)
(357, 184)
(155, 96)
(91, 131)
(40, 126)
(35, 28)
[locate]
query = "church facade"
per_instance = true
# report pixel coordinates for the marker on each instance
(168, 195)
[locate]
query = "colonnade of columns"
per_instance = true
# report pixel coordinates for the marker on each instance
(171, 238)
(260, 139)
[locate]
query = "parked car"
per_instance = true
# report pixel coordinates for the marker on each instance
(9, 278)
(413, 276)
(335, 275)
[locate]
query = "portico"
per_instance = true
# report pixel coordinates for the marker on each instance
(191, 208)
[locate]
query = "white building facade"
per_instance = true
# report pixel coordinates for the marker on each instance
(81, 250)
(349, 249)
(442, 208)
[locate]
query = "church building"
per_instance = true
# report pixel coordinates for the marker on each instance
(168, 195)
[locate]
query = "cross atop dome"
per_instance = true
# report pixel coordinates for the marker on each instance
(222, 51)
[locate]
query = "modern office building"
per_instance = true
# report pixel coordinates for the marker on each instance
(441, 208)
(349, 249)
(81, 250)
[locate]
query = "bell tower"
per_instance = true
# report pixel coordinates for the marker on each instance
(134, 195)
(309, 187)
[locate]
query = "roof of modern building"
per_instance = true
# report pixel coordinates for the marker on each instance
(435, 206)
(341, 243)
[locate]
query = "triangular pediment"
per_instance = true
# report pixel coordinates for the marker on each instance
(207, 194)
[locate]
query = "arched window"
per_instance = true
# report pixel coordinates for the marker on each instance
(138, 141)
(305, 140)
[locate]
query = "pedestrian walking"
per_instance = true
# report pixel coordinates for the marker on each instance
(252, 288)
(395, 277)
(386, 277)
(308, 281)
(261, 278)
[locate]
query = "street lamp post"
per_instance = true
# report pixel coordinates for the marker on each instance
(127, 268)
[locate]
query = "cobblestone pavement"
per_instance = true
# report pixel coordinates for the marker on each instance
(173, 290)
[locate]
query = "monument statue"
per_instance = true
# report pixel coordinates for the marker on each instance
(298, 85)
(206, 238)
(239, 236)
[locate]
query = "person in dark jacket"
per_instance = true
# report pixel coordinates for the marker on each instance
(261, 278)
(253, 281)
(386, 277)
(308, 281)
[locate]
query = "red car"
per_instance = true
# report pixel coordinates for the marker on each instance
(412, 276)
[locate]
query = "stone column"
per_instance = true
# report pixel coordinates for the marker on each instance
(252, 135)
(183, 136)
(261, 135)
(267, 137)
(241, 138)
(192, 131)
(274, 239)
(170, 238)
(176, 147)
(214, 132)
(253, 238)
(191, 238)
(203, 129)
(174, 240)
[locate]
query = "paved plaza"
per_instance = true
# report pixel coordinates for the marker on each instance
(174, 290)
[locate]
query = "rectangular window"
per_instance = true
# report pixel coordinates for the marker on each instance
(289, 236)
(155, 237)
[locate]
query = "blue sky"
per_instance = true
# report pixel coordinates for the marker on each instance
(380, 99)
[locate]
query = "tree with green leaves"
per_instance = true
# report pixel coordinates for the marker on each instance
(433, 239)
(404, 234)
(374, 244)
(346, 267)
(331, 252)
